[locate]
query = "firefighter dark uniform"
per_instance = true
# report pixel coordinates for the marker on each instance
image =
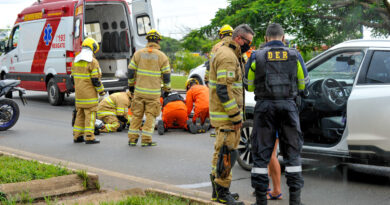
(85, 72)
(276, 74)
(226, 109)
(148, 69)
(112, 111)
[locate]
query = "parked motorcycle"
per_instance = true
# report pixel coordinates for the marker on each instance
(9, 110)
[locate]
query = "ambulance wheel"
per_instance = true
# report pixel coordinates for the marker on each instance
(54, 94)
(245, 159)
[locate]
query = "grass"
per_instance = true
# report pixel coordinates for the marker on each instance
(178, 82)
(151, 199)
(13, 170)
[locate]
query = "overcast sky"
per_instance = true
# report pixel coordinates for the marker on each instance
(174, 16)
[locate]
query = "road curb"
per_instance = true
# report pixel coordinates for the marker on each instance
(147, 183)
(189, 198)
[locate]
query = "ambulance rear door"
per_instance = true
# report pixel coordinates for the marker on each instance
(142, 22)
(78, 25)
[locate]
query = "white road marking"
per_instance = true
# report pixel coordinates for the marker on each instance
(194, 186)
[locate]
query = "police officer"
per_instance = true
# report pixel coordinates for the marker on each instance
(148, 67)
(85, 73)
(226, 109)
(225, 34)
(276, 75)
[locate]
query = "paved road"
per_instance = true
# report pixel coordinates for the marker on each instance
(180, 159)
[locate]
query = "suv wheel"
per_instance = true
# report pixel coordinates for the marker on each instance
(54, 94)
(244, 148)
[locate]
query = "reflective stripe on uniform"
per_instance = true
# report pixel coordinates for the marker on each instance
(237, 85)
(81, 64)
(294, 169)
(136, 132)
(219, 116)
(256, 170)
(130, 81)
(148, 73)
(221, 74)
(91, 127)
(231, 104)
(120, 110)
(212, 84)
(100, 88)
(78, 129)
(147, 91)
(105, 113)
(146, 133)
(87, 101)
(133, 65)
(81, 75)
(95, 72)
(109, 101)
(166, 68)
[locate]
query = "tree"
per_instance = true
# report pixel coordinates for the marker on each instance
(185, 61)
(198, 43)
(170, 46)
(312, 22)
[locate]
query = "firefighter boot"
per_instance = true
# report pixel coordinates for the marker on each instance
(214, 194)
(133, 144)
(191, 127)
(261, 198)
(206, 125)
(224, 197)
(94, 141)
(199, 126)
(78, 139)
(295, 197)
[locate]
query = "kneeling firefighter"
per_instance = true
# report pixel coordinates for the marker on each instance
(112, 110)
(174, 113)
(85, 74)
(198, 98)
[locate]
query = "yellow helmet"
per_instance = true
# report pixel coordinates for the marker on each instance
(91, 43)
(190, 82)
(153, 35)
(226, 30)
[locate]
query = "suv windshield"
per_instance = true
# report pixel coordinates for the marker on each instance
(342, 66)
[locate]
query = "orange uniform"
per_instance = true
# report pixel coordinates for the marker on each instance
(198, 95)
(174, 112)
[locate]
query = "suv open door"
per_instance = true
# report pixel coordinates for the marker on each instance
(142, 21)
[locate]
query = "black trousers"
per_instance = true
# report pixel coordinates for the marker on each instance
(271, 116)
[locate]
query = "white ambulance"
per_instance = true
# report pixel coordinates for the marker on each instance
(48, 34)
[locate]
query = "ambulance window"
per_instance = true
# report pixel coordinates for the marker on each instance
(77, 28)
(93, 30)
(143, 25)
(14, 39)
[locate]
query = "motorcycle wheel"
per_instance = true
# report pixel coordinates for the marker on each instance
(9, 114)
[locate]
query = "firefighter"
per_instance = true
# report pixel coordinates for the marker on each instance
(85, 74)
(112, 111)
(148, 67)
(226, 109)
(197, 97)
(224, 32)
(174, 113)
(276, 75)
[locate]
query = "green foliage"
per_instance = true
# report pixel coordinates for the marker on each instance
(178, 82)
(198, 43)
(185, 61)
(84, 176)
(14, 170)
(312, 22)
(170, 46)
(152, 199)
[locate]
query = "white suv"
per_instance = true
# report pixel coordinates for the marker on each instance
(345, 112)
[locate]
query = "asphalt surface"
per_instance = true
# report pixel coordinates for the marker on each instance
(180, 159)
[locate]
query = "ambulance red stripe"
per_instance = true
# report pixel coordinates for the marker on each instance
(42, 51)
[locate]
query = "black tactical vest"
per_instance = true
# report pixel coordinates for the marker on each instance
(276, 73)
(172, 97)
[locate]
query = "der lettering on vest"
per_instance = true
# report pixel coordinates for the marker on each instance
(276, 73)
